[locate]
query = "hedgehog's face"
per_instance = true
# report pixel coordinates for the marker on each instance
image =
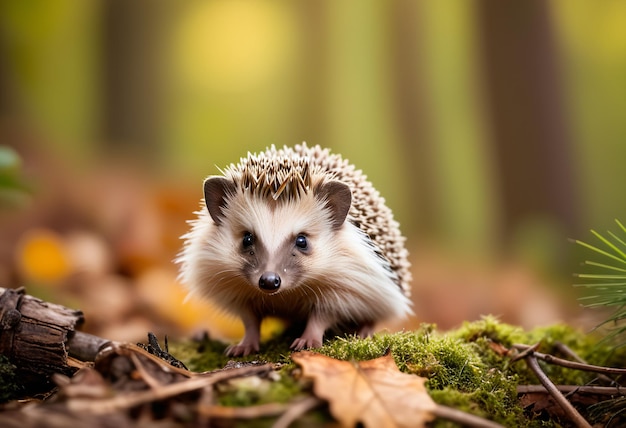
(277, 242)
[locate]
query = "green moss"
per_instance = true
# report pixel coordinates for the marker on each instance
(488, 405)
(490, 328)
(208, 354)
(10, 388)
(254, 390)
(470, 368)
(200, 356)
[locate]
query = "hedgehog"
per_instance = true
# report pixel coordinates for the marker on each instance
(299, 234)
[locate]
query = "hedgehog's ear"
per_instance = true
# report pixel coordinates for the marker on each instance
(216, 190)
(338, 199)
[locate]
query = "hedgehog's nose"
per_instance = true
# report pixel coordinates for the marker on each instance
(269, 281)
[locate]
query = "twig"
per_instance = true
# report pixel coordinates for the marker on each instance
(145, 376)
(526, 351)
(127, 401)
(247, 412)
(568, 389)
(567, 407)
(572, 364)
(288, 412)
(205, 401)
(127, 349)
(465, 419)
(570, 352)
(296, 410)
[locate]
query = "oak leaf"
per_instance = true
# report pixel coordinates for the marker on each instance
(374, 393)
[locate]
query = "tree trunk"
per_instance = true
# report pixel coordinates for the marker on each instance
(531, 142)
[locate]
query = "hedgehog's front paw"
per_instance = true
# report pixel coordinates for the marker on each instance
(242, 349)
(306, 342)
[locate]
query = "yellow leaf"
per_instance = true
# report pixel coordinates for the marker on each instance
(374, 393)
(42, 257)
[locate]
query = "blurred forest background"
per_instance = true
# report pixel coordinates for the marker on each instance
(495, 130)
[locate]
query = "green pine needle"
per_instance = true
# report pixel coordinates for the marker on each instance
(607, 283)
(605, 266)
(619, 252)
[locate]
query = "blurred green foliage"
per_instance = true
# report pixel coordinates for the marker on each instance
(51, 55)
(13, 187)
(593, 42)
(211, 80)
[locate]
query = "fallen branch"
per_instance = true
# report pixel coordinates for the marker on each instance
(567, 407)
(563, 348)
(571, 364)
(248, 412)
(463, 418)
(124, 401)
(296, 410)
(570, 389)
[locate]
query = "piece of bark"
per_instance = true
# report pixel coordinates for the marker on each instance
(34, 337)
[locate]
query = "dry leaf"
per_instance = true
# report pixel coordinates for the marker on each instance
(499, 349)
(42, 257)
(372, 392)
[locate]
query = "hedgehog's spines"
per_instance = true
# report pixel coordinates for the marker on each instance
(288, 174)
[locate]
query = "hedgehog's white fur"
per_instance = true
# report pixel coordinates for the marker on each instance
(344, 277)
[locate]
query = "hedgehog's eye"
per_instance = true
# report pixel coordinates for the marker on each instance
(248, 239)
(301, 242)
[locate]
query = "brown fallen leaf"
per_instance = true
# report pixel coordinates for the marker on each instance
(374, 393)
(499, 349)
